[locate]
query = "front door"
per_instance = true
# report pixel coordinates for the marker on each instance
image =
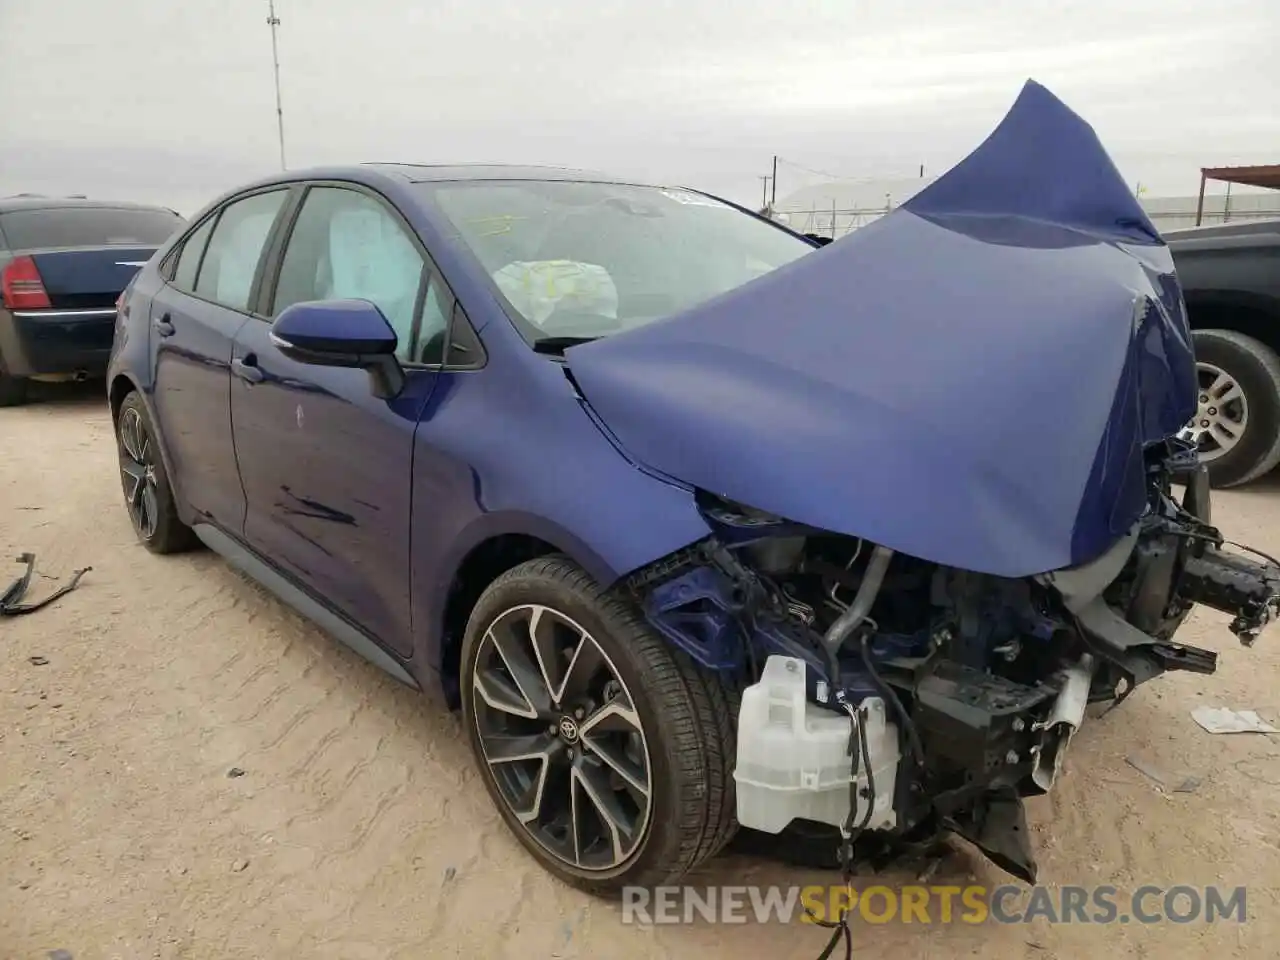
(327, 466)
(194, 320)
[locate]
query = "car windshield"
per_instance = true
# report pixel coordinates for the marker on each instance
(577, 260)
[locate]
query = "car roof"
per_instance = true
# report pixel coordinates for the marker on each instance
(425, 172)
(36, 202)
(387, 174)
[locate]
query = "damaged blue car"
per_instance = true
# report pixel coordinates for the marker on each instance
(700, 525)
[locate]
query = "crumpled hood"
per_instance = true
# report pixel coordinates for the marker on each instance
(970, 379)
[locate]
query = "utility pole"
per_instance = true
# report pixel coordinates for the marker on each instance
(273, 21)
(773, 195)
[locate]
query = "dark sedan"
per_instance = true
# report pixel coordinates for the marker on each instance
(63, 264)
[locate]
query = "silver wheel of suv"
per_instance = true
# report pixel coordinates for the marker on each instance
(1222, 413)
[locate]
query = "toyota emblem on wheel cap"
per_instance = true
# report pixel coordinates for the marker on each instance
(568, 729)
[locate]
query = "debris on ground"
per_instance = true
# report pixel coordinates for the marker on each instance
(235, 772)
(1175, 783)
(240, 865)
(930, 868)
(1225, 720)
(11, 604)
(38, 661)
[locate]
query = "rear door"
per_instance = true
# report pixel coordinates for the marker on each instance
(213, 279)
(327, 467)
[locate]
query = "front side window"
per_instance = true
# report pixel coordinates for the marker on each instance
(346, 245)
(231, 260)
(433, 327)
(584, 260)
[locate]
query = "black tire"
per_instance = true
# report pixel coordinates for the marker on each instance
(684, 713)
(13, 390)
(1255, 368)
(168, 534)
(803, 843)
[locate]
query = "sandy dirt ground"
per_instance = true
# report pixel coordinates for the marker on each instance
(359, 830)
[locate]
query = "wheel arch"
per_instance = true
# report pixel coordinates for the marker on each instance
(1253, 315)
(120, 387)
(490, 547)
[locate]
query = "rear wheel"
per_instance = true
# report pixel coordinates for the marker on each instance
(607, 752)
(1237, 421)
(147, 494)
(13, 390)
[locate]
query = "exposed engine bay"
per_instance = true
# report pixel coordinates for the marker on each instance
(898, 700)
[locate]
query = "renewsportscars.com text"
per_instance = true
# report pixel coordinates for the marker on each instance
(935, 904)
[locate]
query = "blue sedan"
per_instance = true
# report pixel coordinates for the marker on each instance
(700, 524)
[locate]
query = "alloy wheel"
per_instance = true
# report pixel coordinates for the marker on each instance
(138, 472)
(562, 738)
(1222, 413)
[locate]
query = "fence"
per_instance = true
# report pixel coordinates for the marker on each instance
(1167, 213)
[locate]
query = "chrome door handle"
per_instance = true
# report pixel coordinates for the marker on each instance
(247, 369)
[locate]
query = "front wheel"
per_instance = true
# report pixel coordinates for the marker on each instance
(608, 753)
(1237, 421)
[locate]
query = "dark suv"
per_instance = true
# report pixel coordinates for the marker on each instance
(1230, 276)
(63, 264)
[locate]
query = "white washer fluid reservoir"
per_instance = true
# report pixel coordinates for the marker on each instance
(793, 756)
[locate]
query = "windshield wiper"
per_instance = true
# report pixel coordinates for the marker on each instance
(559, 344)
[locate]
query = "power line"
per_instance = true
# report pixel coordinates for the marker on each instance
(837, 176)
(273, 21)
(816, 173)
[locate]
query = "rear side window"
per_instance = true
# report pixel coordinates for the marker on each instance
(88, 227)
(184, 277)
(231, 261)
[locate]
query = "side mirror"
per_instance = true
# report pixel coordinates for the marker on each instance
(342, 333)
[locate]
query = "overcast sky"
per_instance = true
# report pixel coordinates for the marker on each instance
(172, 100)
